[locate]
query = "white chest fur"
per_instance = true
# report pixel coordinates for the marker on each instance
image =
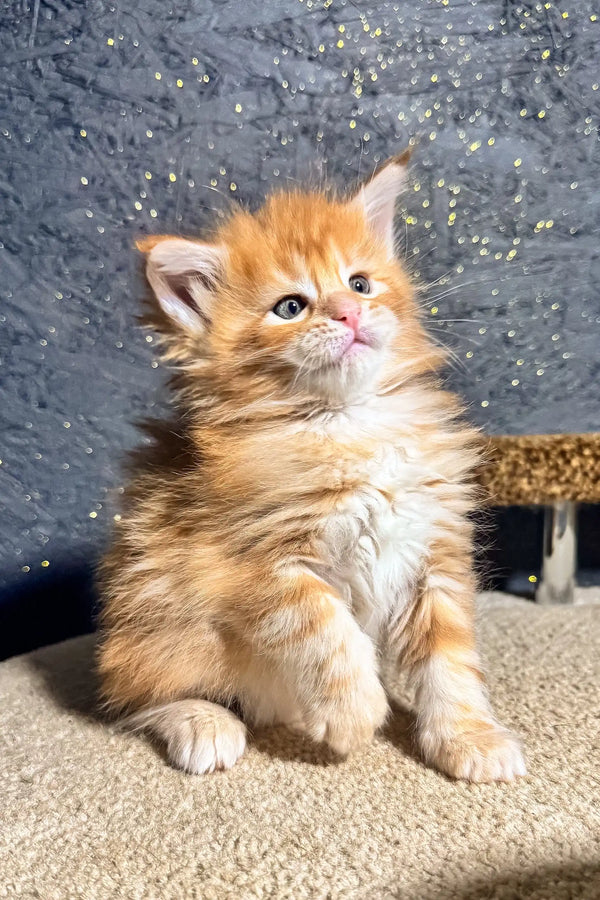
(374, 543)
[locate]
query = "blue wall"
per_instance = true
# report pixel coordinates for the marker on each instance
(121, 119)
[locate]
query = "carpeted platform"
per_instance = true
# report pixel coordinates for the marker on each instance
(91, 813)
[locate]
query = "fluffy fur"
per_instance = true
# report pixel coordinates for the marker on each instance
(309, 510)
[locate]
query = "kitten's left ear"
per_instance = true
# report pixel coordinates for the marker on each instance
(377, 197)
(183, 275)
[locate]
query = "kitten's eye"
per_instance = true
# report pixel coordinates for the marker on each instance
(360, 284)
(289, 307)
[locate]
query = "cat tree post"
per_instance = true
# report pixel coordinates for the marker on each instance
(559, 562)
(556, 471)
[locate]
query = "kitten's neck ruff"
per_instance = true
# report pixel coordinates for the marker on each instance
(261, 399)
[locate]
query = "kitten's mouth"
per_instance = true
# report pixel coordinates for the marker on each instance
(350, 346)
(358, 341)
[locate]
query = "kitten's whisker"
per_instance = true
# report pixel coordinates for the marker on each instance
(462, 337)
(424, 287)
(474, 321)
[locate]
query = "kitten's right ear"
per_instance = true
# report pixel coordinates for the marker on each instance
(183, 275)
(377, 197)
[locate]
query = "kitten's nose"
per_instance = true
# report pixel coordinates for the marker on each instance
(348, 312)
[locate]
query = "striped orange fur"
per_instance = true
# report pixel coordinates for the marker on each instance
(308, 506)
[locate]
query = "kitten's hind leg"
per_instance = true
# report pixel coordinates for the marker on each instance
(199, 736)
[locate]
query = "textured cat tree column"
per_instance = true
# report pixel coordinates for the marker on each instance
(556, 471)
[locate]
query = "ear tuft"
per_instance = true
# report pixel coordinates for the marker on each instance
(377, 198)
(183, 275)
(147, 243)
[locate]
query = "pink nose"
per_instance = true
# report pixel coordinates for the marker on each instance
(348, 312)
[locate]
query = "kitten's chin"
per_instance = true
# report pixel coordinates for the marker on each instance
(352, 373)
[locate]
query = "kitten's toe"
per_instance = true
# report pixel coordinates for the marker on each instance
(199, 736)
(489, 753)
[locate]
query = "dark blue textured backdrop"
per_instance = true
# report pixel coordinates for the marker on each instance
(119, 119)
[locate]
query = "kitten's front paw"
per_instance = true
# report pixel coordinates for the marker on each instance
(486, 753)
(350, 720)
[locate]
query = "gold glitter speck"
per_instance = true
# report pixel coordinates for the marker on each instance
(172, 176)
(45, 563)
(93, 514)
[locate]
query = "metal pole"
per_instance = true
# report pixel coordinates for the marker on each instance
(560, 554)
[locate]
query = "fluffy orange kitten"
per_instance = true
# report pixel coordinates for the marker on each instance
(311, 511)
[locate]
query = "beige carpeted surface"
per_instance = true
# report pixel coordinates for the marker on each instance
(91, 813)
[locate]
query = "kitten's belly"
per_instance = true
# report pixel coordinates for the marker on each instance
(374, 546)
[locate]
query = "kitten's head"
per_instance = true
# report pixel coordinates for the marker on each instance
(305, 297)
